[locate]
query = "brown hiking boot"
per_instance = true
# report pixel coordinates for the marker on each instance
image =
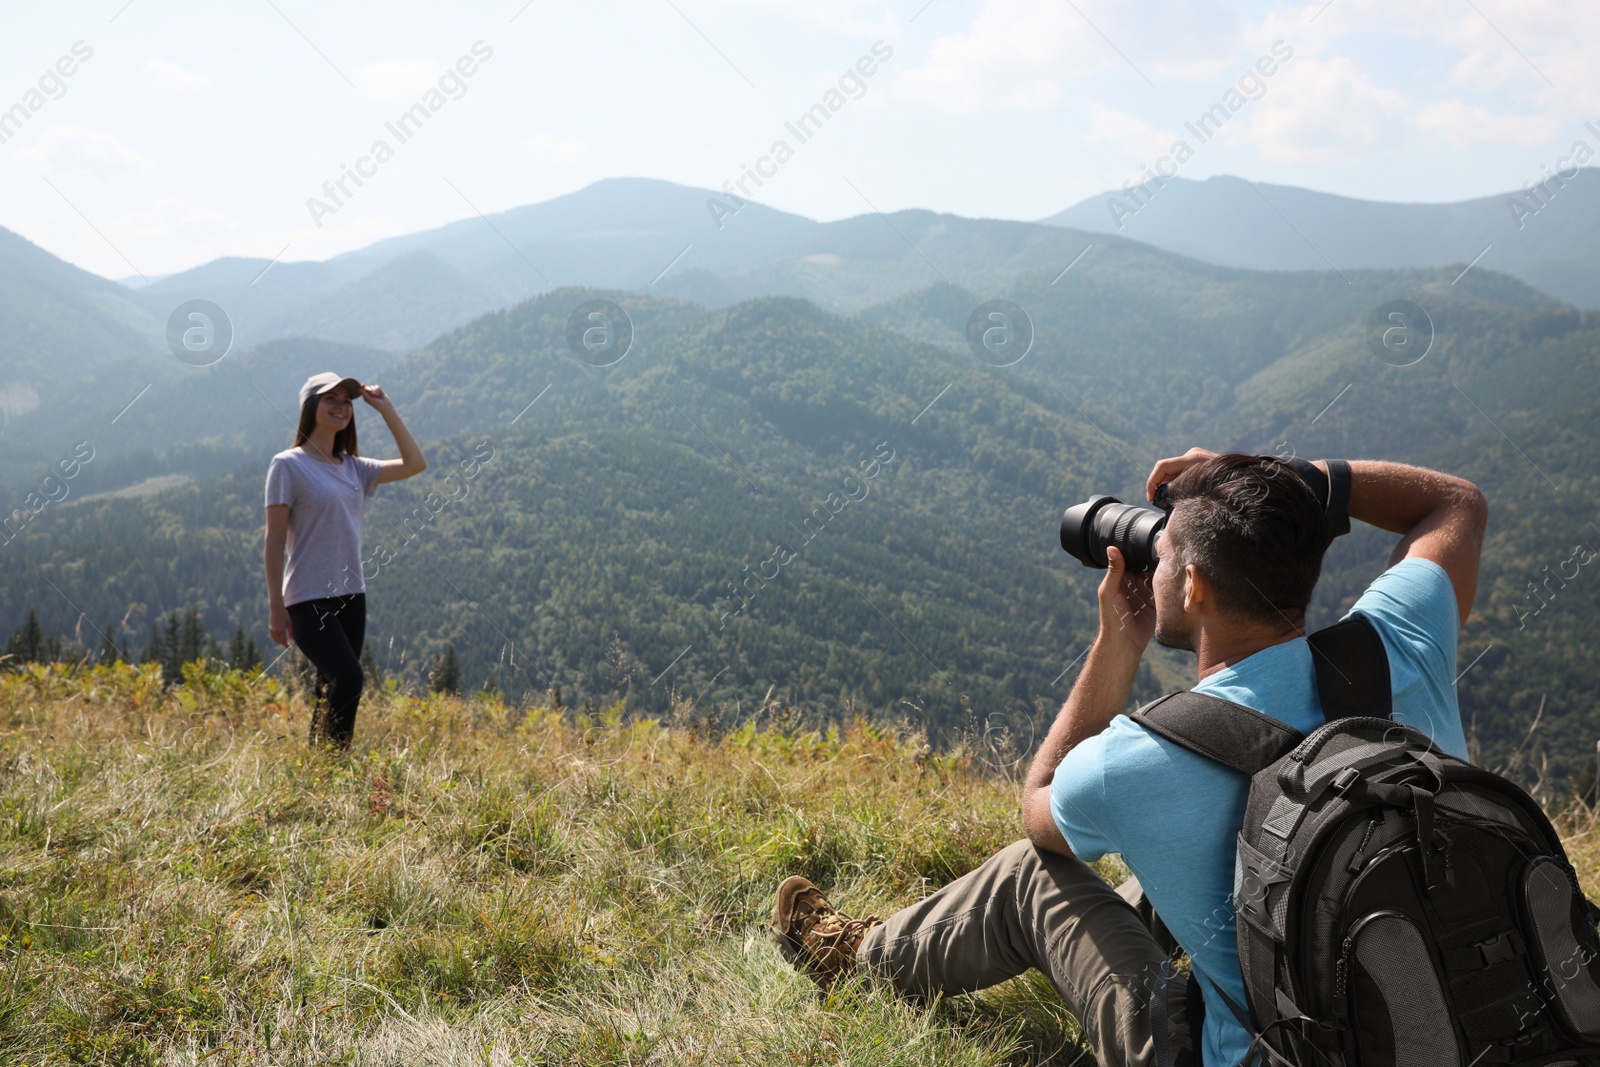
(819, 941)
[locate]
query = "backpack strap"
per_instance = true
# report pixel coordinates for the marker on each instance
(1352, 679)
(1352, 670)
(1223, 732)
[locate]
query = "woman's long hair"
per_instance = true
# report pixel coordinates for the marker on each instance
(344, 442)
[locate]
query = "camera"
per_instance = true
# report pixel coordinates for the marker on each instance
(1088, 529)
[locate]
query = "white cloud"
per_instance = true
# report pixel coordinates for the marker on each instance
(1318, 111)
(1130, 135)
(855, 17)
(1021, 54)
(546, 145)
(80, 148)
(170, 218)
(184, 232)
(1464, 125)
(399, 78)
(1504, 46)
(167, 75)
(1014, 55)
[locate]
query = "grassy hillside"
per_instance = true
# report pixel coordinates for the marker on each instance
(182, 880)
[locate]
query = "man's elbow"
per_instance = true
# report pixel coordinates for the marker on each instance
(1040, 825)
(1479, 504)
(1473, 507)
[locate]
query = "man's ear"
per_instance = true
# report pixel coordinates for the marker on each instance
(1196, 588)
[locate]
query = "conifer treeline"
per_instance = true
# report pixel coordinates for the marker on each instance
(178, 639)
(181, 638)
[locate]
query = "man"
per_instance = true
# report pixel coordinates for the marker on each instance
(1238, 560)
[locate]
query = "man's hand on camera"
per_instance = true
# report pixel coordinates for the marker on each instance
(1168, 469)
(1127, 605)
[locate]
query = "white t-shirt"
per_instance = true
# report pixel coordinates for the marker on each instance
(327, 502)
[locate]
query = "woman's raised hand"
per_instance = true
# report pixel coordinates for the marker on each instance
(374, 395)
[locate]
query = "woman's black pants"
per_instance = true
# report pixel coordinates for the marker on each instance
(330, 632)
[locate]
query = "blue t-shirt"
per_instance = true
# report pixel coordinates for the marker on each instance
(1174, 816)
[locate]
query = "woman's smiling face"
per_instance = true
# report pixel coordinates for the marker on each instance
(334, 410)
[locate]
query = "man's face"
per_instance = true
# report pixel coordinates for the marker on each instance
(1172, 628)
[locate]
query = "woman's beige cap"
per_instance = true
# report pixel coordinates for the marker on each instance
(318, 384)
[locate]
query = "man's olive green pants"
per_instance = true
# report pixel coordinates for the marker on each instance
(1024, 908)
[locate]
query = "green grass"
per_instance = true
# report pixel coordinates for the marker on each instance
(182, 880)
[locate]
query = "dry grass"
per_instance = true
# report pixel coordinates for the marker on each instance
(182, 880)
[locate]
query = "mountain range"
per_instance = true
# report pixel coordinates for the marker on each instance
(653, 236)
(692, 525)
(58, 383)
(1545, 235)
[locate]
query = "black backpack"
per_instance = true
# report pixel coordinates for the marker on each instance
(1395, 905)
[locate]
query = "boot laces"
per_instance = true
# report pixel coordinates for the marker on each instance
(830, 928)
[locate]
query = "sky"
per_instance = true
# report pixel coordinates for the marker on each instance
(186, 131)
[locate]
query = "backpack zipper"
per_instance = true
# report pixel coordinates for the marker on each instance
(1341, 970)
(1308, 928)
(1354, 866)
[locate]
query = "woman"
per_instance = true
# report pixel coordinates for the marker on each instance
(316, 495)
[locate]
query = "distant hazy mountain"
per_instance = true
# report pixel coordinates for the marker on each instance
(1548, 236)
(404, 303)
(59, 324)
(664, 239)
(96, 346)
(620, 233)
(637, 234)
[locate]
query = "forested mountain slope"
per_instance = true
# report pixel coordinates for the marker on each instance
(698, 517)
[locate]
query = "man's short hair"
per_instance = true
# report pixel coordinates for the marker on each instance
(1254, 528)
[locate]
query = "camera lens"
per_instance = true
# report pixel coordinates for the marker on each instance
(1087, 529)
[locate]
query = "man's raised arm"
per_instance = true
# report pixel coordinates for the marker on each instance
(1442, 518)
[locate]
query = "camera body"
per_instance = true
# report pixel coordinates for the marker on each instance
(1088, 529)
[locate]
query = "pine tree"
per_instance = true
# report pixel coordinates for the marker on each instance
(172, 651)
(108, 645)
(370, 668)
(192, 642)
(446, 674)
(242, 654)
(28, 644)
(154, 652)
